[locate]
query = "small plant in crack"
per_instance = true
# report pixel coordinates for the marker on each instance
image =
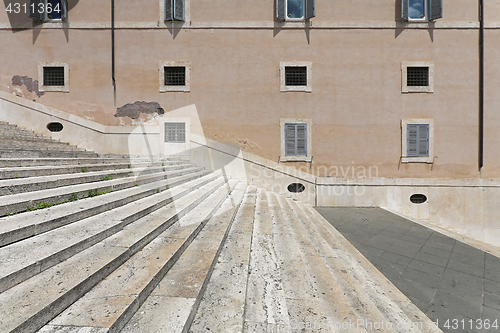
(85, 169)
(108, 177)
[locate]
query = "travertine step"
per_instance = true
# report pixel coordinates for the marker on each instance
(29, 137)
(29, 224)
(177, 260)
(17, 180)
(17, 203)
(24, 153)
(32, 304)
(81, 162)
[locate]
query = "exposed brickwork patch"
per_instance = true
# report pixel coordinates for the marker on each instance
(30, 84)
(134, 110)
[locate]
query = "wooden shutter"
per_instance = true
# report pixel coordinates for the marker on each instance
(423, 140)
(179, 10)
(280, 10)
(310, 10)
(301, 141)
(404, 9)
(411, 140)
(435, 9)
(169, 10)
(64, 9)
(290, 138)
(35, 9)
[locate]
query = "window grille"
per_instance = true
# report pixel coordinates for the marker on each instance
(53, 76)
(296, 76)
(417, 76)
(175, 76)
(175, 132)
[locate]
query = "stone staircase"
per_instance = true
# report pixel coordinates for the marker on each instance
(93, 243)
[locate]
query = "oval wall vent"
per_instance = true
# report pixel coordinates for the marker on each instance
(296, 188)
(55, 127)
(418, 198)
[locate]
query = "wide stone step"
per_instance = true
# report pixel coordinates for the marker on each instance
(29, 137)
(29, 224)
(179, 257)
(17, 203)
(32, 304)
(106, 172)
(82, 162)
(41, 145)
(24, 153)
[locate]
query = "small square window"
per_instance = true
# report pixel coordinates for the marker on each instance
(174, 76)
(175, 132)
(295, 10)
(421, 10)
(175, 10)
(417, 76)
(53, 76)
(295, 76)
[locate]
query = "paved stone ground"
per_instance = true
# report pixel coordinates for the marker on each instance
(445, 278)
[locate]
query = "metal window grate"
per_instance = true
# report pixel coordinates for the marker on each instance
(296, 76)
(175, 76)
(417, 76)
(53, 76)
(175, 132)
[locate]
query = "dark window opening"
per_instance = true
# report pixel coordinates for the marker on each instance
(418, 198)
(296, 76)
(417, 76)
(175, 76)
(55, 127)
(296, 188)
(53, 76)
(175, 132)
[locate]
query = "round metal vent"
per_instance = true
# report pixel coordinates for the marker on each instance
(296, 188)
(418, 198)
(55, 127)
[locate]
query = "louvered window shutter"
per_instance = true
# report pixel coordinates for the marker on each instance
(423, 140)
(435, 9)
(64, 9)
(169, 10)
(290, 140)
(179, 10)
(404, 9)
(280, 10)
(310, 10)
(412, 140)
(36, 10)
(301, 134)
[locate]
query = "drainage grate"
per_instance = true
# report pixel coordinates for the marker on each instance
(417, 76)
(175, 76)
(296, 76)
(175, 132)
(53, 76)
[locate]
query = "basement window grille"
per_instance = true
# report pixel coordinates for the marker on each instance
(175, 132)
(55, 127)
(417, 76)
(175, 76)
(53, 76)
(296, 76)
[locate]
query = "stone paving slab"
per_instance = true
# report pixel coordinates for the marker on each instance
(446, 278)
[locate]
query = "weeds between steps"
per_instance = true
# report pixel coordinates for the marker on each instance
(73, 197)
(84, 169)
(108, 177)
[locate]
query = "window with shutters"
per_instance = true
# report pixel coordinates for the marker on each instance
(48, 10)
(174, 76)
(417, 76)
(295, 10)
(295, 139)
(175, 132)
(175, 10)
(53, 76)
(421, 10)
(295, 76)
(417, 140)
